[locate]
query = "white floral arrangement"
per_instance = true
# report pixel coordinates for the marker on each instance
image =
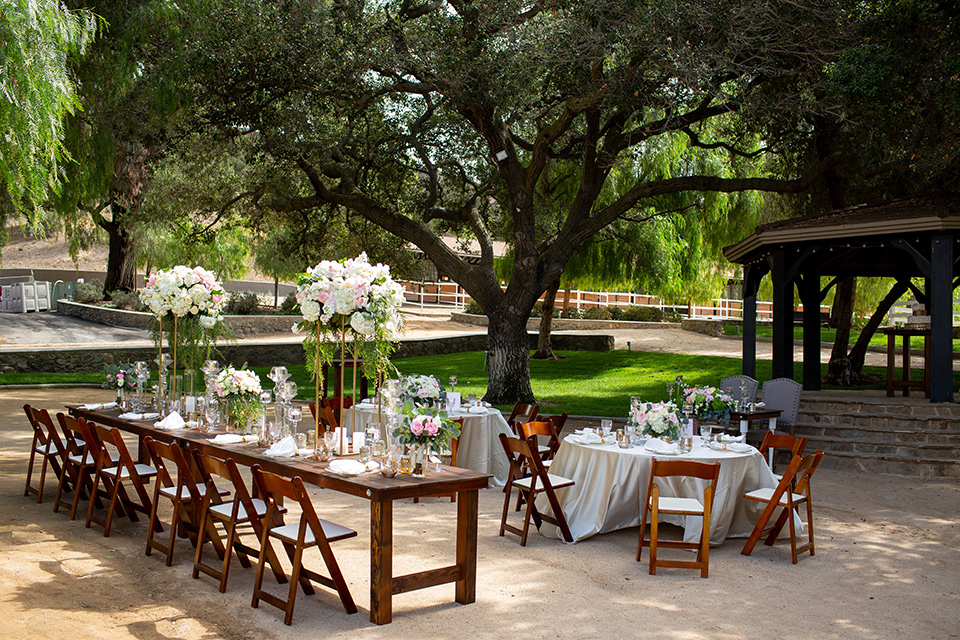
(183, 291)
(355, 293)
(420, 388)
(237, 383)
(657, 419)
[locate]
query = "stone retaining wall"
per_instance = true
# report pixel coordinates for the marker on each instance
(140, 320)
(93, 359)
(567, 324)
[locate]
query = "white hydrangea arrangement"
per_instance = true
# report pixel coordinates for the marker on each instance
(183, 291)
(237, 383)
(420, 389)
(657, 419)
(352, 293)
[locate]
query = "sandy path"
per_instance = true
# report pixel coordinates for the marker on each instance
(887, 566)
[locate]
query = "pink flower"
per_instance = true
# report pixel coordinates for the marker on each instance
(432, 427)
(417, 424)
(216, 299)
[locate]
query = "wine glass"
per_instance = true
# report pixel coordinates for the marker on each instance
(289, 391)
(670, 388)
(279, 375)
(453, 383)
(293, 415)
(687, 410)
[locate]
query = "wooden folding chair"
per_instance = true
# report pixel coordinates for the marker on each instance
(328, 421)
(184, 492)
(311, 531)
(116, 468)
(522, 413)
(452, 458)
(47, 444)
(79, 464)
(542, 428)
(792, 491)
(242, 510)
(337, 406)
(655, 504)
(774, 440)
(556, 421)
(520, 453)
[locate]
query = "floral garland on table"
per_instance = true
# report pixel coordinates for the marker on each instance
(240, 388)
(710, 404)
(657, 419)
(420, 389)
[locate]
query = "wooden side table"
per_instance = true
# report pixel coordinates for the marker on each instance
(905, 382)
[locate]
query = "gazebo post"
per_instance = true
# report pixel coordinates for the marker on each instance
(810, 296)
(940, 292)
(782, 316)
(751, 285)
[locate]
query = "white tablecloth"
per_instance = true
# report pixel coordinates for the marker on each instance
(612, 482)
(479, 448)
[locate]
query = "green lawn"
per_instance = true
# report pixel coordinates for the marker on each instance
(828, 335)
(582, 383)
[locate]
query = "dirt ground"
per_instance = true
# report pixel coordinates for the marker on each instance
(887, 566)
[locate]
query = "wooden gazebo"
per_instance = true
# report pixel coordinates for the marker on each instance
(908, 238)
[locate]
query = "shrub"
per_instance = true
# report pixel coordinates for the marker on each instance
(126, 300)
(473, 308)
(596, 313)
(290, 306)
(637, 313)
(242, 304)
(572, 313)
(537, 311)
(89, 292)
(616, 313)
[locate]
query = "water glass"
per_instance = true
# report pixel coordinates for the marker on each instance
(606, 426)
(706, 431)
(686, 444)
(301, 439)
(366, 453)
(623, 439)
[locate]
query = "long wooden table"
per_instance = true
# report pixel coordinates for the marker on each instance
(380, 491)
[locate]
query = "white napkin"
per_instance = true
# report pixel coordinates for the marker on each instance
(172, 421)
(725, 439)
(738, 447)
(656, 445)
(373, 465)
(286, 448)
(99, 405)
(586, 437)
(477, 409)
(232, 438)
(139, 416)
(347, 467)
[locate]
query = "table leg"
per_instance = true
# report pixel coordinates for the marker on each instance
(381, 561)
(772, 426)
(744, 426)
(467, 508)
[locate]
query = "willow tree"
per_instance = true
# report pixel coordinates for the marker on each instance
(425, 117)
(37, 92)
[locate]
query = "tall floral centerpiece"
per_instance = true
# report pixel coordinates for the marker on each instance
(421, 390)
(240, 390)
(423, 430)
(351, 298)
(657, 419)
(187, 300)
(708, 404)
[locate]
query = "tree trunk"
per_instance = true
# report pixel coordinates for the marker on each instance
(566, 302)
(838, 370)
(859, 349)
(508, 351)
(276, 292)
(121, 260)
(544, 341)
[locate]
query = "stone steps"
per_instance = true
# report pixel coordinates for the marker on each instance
(917, 439)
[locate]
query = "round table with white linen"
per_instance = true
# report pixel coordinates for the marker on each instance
(612, 482)
(479, 448)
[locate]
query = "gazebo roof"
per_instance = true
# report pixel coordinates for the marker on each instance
(902, 219)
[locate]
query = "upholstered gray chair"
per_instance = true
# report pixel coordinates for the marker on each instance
(783, 394)
(732, 386)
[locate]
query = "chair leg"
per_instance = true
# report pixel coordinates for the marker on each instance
(703, 555)
(294, 579)
(810, 526)
(643, 527)
(33, 456)
(506, 510)
(43, 476)
(654, 517)
(526, 519)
